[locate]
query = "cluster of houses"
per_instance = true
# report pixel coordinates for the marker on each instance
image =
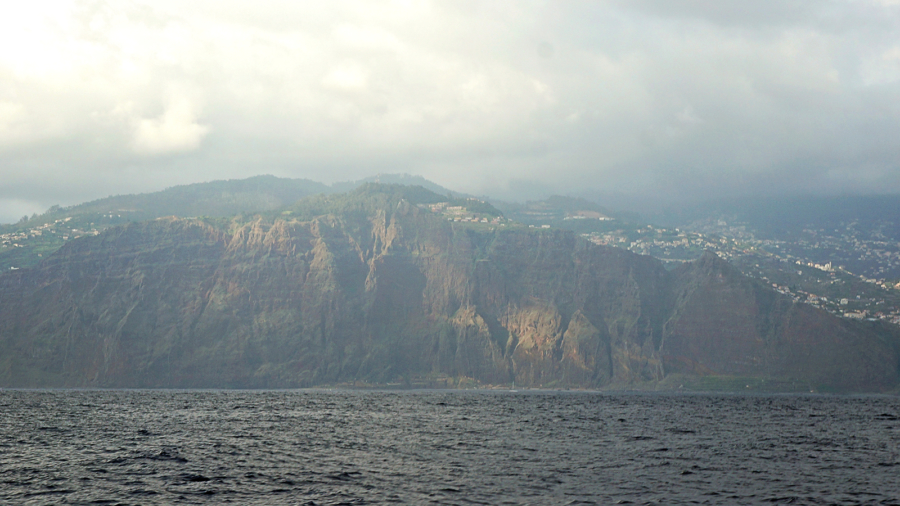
(674, 247)
(839, 307)
(587, 215)
(822, 267)
(462, 214)
(14, 239)
(51, 231)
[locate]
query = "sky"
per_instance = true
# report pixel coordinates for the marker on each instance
(666, 99)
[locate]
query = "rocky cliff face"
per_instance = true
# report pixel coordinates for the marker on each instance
(727, 324)
(395, 294)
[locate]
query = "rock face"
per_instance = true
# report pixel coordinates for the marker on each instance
(391, 293)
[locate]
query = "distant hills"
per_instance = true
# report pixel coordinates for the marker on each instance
(394, 285)
(779, 241)
(216, 198)
(860, 234)
(25, 243)
(398, 179)
(784, 218)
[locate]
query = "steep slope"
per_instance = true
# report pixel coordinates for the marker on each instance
(727, 324)
(375, 287)
(26, 243)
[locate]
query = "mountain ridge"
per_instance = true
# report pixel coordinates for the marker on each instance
(384, 290)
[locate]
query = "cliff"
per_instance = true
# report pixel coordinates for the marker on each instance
(373, 287)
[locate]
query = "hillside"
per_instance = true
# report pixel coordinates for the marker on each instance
(377, 286)
(860, 233)
(25, 243)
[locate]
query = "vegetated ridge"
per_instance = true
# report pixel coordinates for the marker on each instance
(25, 243)
(375, 287)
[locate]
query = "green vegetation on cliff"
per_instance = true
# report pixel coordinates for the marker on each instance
(24, 244)
(380, 286)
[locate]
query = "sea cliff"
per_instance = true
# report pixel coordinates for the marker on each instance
(375, 288)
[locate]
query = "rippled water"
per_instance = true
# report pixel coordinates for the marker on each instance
(445, 447)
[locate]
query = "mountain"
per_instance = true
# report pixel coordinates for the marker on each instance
(25, 243)
(396, 179)
(382, 286)
(215, 198)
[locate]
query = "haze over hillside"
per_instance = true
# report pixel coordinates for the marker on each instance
(399, 285)
(837, 253)
(650, 100)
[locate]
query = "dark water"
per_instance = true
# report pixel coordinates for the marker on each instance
(437, 447)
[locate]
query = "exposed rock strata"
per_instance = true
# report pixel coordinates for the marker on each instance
(400, 295)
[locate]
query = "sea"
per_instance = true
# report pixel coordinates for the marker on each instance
(318, 447)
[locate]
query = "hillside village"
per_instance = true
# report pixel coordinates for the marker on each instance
(787, 267)
(799, 269)
(31, 243)
(825, 285)
(462, 213)
(26, 243)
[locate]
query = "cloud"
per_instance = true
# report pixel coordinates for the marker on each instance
(675, 99)
(346, 77)
(175, 130)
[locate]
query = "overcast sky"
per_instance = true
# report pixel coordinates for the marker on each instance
(691, 98)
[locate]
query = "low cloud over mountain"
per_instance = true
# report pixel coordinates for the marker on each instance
(513, 99)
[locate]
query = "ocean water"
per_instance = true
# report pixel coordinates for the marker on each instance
(445, 447)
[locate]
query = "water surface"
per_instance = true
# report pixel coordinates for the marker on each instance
(445, 447)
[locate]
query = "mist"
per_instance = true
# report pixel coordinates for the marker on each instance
(648, 99)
